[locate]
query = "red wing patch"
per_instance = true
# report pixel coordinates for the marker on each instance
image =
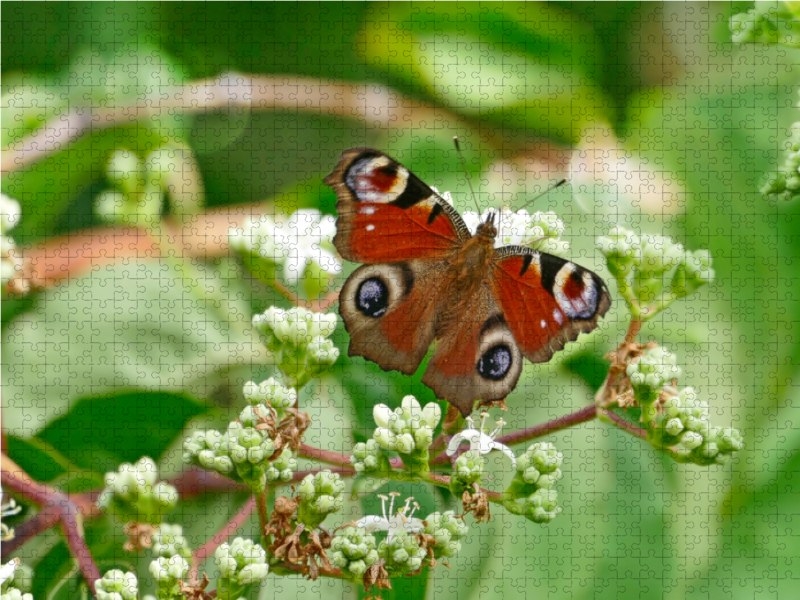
(546, 301)
(387, 214)
(530, 310)
(385, 233)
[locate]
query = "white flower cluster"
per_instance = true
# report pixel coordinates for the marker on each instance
(134, 493)
(302, 240)
(663, 271)
(298, 340)
(407, 428)
(685, 428)
(117, 585)
(9, 218)
(648, 375)
(540, 230)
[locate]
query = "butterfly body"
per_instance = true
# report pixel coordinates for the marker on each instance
(426, 278)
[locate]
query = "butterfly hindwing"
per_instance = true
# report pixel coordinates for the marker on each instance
(387, 214)
(546, 300)
(389, 311)
(476, 356)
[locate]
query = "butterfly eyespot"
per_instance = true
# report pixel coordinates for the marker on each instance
(372, 297)
(495, 362)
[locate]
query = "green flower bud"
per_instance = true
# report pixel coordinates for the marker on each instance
(402, 553)
(385, 438)
(133, 494)
(271, 393)
(240, 563)
(116, 585)
(728, 440)
(168, 574)
(283, 468)
(405, 443)
(297, 340)
(649, 374)
(469, 467)
(353, 550)
(320, 495)
(125, 171)
(368, 458)
(110, 206)
(169, 541)
(542, 506)
(321, 356)
(447, 530)
(543, 456)
(15, 594)
(692, 273)
(622, 249)
(406, 429)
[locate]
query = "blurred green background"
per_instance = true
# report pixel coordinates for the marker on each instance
(661, 123)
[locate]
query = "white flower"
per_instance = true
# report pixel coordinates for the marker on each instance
(407, 428)
(7, 570)
(301, 240)
(6, 510)
(540, 231)
(9, 213)
(392, 522)
(480, 441)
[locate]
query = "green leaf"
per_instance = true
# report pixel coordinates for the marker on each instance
(135, 425)
(127, 327)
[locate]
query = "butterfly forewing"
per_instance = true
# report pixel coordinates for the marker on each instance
(388, 214)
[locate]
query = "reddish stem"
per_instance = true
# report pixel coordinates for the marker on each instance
(14, 478)
(625, 425)
(221, 536)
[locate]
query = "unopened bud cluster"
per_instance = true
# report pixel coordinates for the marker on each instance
(785, 184)
(139, 185)
(320, 495)
(771, 22)
(134, 494)
(402, 553)
(169, 541)
(652, 271)
(447, 531)
(240, 563)
(684, 429)
(353, 550)
(271, 394)
(168, 572)
(298, 340)
(655, 368)
(467, 471)
(241, 453)
(9, 218)
(16, 580)
(369, 458)
(406, 429)
(533, 488)
(117, 585)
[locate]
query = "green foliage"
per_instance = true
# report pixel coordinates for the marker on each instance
(113, 365)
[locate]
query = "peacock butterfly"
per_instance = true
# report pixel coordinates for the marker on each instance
(425, 277)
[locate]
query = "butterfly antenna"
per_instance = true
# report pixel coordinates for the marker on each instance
(547, 191)
(464, 166)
